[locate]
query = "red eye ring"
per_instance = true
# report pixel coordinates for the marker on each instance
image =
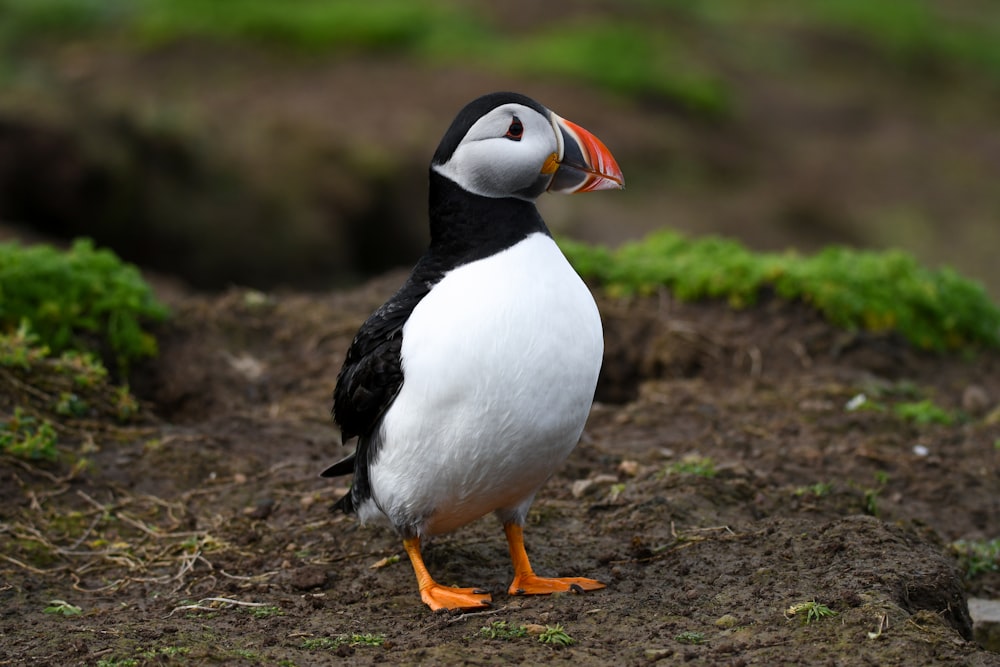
(516, 129)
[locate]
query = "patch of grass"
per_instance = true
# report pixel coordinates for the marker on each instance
(691, 637)
(333, 643)
(266, 612)
(502, 630)
(621, 57)
(700, 466)
(916, 33)
(874, 291)
(923, 412)
(117, 662)
(809, 611)
(617, 54)
(555, 635)
(28, 437)
(978, 556)
(83, 301)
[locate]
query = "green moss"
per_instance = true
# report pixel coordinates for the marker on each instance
(874, 291)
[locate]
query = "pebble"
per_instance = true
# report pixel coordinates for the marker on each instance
(726, 622)
(986, 622)
(628, 467)
(658, 653)
(975, 400)
(308, 577)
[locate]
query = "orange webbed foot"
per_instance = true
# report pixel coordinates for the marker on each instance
(534, 585)
(439, 597)
(435, 595)
(526, 582)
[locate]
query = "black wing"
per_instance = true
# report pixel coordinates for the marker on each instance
(369, 381)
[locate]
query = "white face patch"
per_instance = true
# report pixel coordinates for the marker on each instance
(491, 161)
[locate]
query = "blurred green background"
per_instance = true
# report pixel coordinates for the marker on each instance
(286, 143)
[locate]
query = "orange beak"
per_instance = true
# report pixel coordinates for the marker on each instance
(583, 164)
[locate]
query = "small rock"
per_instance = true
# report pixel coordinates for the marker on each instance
(629, 468)
(654, 654)
(261, 510)
(975, 400)
(993, 417)
(534, 629)
(606, 479)
(581, 487)
(308, 577)
(986, 622)
(726, 622)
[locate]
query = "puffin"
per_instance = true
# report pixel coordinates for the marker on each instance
(471, 385)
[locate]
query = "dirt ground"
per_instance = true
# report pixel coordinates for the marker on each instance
(203, 535)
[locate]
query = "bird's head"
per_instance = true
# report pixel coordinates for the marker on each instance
(508, 145)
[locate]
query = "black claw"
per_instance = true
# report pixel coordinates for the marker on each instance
(519, 591)
(576, 588)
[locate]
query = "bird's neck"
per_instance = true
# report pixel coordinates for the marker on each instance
(470, 226)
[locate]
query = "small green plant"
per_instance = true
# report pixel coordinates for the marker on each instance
(21, 348)
(266, 612)
(872, 493)
(555, 635)
(83, 299)
(29, 438)
(62, 608)
(502, 630)
(71, 405)
(923, 412)
(85, 369)
(691, 637)
(809, 611)
(819, 489)
(978, 556)
(701, 466)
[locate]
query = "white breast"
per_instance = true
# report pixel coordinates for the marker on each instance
(500, 363)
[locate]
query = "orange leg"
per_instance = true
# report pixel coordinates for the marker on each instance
(525, 580)
(434, 594)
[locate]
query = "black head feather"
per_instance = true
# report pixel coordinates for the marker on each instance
(472, 112)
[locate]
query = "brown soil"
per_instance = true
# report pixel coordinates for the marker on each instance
(216, 503)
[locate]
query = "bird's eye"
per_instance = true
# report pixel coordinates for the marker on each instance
(516, 130)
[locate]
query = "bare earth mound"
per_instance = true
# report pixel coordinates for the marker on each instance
(720, 485)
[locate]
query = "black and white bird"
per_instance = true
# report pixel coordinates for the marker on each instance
(472, 384)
